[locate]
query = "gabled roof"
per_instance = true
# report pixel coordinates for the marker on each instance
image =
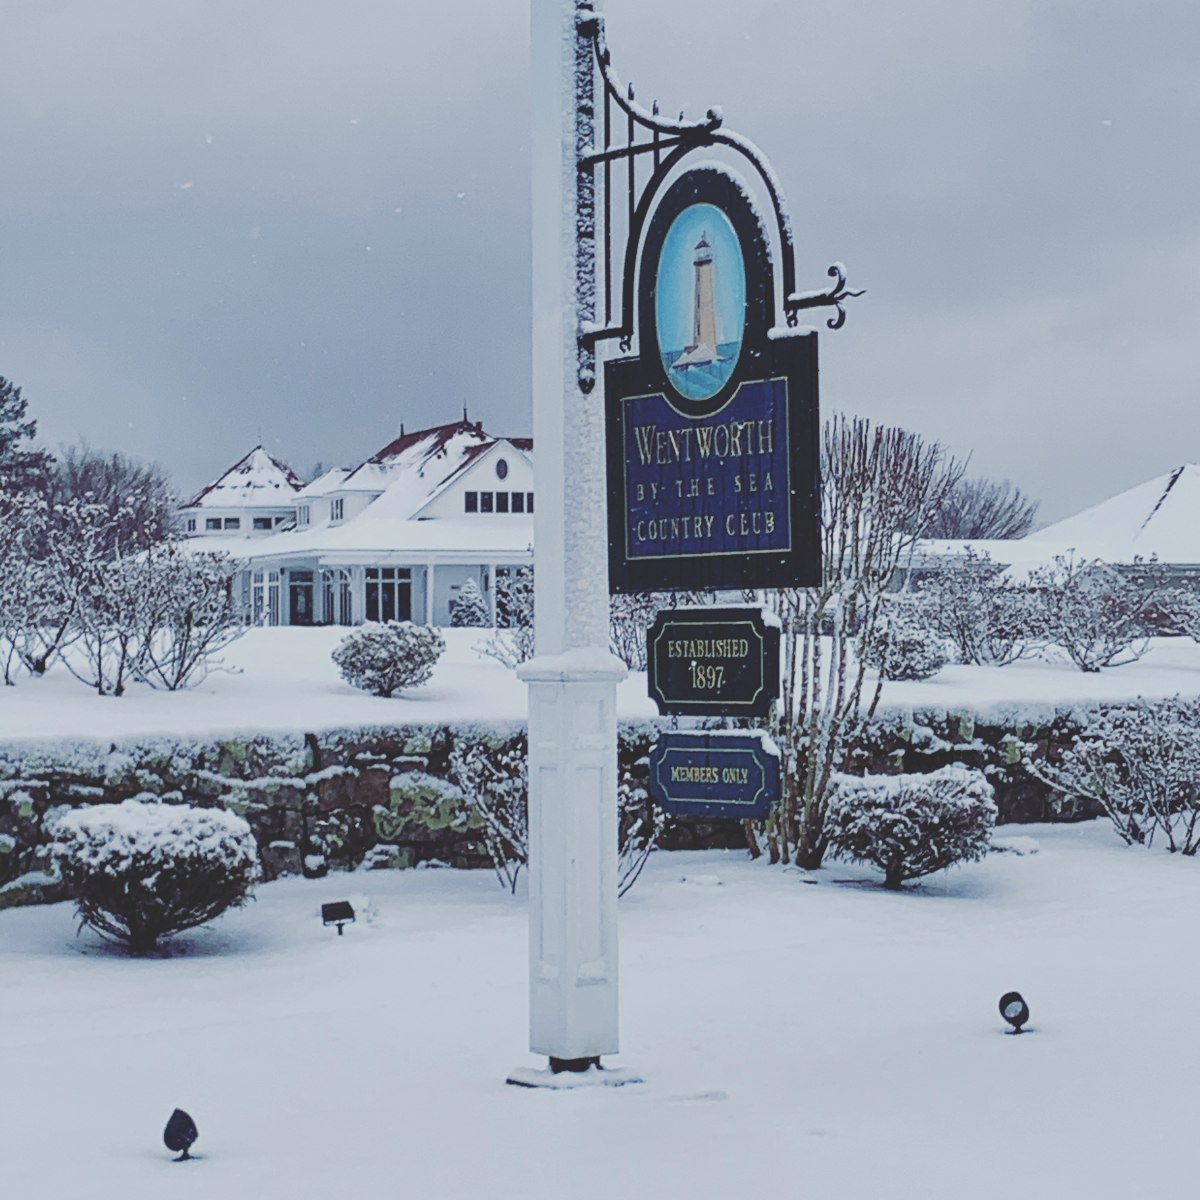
(409, 470)
(325, 483)
(258, 480)
(1159, 518)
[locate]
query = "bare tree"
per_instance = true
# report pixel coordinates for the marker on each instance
(137, 496)
(879, 486)
(982, 508)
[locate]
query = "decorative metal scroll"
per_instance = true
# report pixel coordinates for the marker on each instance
(623, 135)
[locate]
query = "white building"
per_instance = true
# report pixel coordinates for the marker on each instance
(394, 538)
(253, 498)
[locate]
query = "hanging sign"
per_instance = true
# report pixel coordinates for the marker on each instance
(719, 662)
(715, 774)
(712, 430)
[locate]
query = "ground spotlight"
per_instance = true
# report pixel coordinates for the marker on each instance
(1014, 1010)
(180, 1133)
(339, 913)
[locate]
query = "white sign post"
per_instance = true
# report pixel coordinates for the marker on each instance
(573, 678)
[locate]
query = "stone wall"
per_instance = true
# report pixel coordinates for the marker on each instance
(383, 796)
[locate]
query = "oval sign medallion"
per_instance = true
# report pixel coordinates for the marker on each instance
(700, 301)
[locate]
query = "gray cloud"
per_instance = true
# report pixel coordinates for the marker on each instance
(312, 219)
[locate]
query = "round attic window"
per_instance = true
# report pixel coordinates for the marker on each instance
(502, 468)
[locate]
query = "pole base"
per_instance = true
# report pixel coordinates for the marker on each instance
(568, 1077)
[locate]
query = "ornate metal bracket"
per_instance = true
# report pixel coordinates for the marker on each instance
(630, 134)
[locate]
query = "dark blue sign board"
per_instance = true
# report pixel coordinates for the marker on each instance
(712, 429)
(713, 662)
(715, 774)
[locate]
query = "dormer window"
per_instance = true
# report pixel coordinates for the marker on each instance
(337, 509)
(233, 522)
(303, 514)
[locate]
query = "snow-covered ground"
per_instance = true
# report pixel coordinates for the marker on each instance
(283, 679)
(799, 1036)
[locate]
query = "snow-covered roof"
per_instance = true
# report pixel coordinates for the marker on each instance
(369, 537)
(1159, 518)
(256, 481)
(324, 484)
(409, 471)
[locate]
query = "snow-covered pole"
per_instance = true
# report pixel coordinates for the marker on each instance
(572, 680)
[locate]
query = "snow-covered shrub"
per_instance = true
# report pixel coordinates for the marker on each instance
(470, 609)
(1097, 613)
(139, 872)
(383, 658)
(903, 645)
(1141, 765)
(912, 825)
(512, 641)
(986, 616)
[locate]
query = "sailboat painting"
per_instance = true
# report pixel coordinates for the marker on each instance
(700, 301)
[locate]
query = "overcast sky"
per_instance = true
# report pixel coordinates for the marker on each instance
(309, 220)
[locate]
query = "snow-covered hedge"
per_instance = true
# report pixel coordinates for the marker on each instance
(141, 871)
(384, 658)
(912, 825)
(904, 645)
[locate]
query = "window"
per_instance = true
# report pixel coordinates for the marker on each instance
(303, 515)
(233, 522)
(262, 522)
(337, 509)
(280, 520)
(471, 502)
(502, 468)
(191, 525)
(518, 502)
(212, 523)
(486, 501)
(502, 502)
(389, 594)
(529, 502)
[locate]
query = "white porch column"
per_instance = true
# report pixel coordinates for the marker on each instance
(429, 593)
(489, 587)
(572, 681)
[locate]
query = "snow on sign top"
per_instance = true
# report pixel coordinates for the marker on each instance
(257, 479)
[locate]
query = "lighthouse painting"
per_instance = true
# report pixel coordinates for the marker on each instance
(700, 301)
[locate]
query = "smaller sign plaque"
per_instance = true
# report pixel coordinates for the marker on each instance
(712, 662)
(715, 774)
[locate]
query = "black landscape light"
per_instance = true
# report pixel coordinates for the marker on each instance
(339, 913)
(180, 1133)
(1014, 1010)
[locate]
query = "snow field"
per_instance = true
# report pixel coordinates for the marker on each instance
(284, 679)
(797, 1039)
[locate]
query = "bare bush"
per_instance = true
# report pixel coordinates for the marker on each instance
(1098, 614)
(495, 782)
(1140, 765)
(989, 618)
(879, 486)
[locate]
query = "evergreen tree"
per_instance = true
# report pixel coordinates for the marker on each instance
(20, 466)
(471, 610)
